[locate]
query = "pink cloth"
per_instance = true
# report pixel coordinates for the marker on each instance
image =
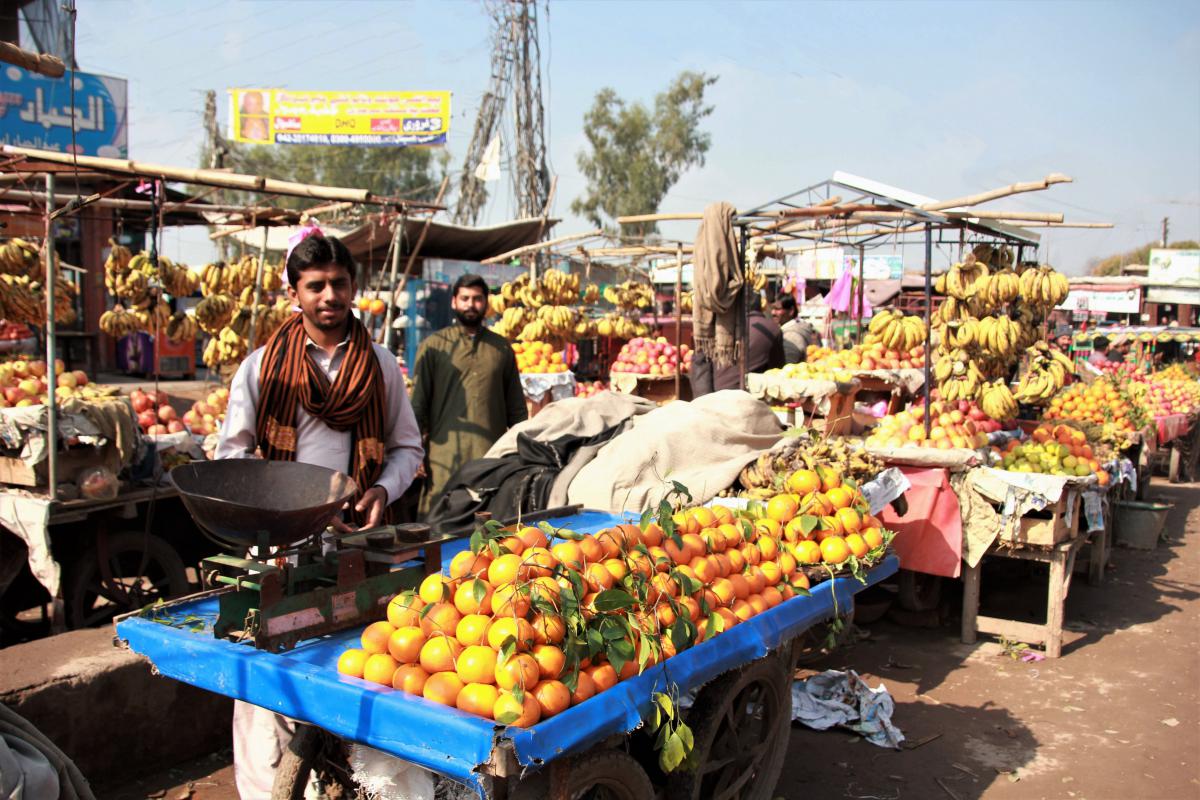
(929, 536)
(843, 297)
(1171, 427)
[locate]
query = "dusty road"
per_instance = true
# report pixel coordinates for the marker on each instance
(1115, 717)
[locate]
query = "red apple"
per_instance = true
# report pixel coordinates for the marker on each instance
(147, 418)
(174, 426)
(166, 413)
(139, 399)
(14, 394)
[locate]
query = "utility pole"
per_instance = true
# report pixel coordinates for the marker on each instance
(1165, 229)
(218, 150)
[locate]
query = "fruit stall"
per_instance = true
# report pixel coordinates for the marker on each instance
(510, 661)
(85, 504)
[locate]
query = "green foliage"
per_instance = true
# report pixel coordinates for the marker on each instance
(1113, 264)
(410, 172)
(636, 154)
(672, 737)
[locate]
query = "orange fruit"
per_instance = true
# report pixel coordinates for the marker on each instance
(772, 596)
(509, 600)
(538, 562)
(714, 540)
(741, 587)
(858, 545)
(552, 697)
(807, 552)
(464, 598)
(569, 554)
(379, 668)
(435, 588)
(794, 530)
(757, 578)
(851, 522)
(742, 610)
(598, 577)
(679, 554)
(441, 618)
(751, 552)
(839, 497)
(478, 698)
(404, 609)
(817, 504)
(800, 581)
(691, 607)
(472, 629)
(504, 628)
(652, 536)
(724, 514)
(532, 537)
(523, 715)
(829, 526)
(787, 564)
(405, 644)
(786, 591)
(662, 585)
(756, 602)
(684, 523)
(694, 544)
(375, 637)
(731, 533)
(511, 545)
(704, 517)
(873, 537)
(443, 688)
(834, 550)
(831, 479)
(781, 508)
(737, 561)
(617, 568)
(666, 616)
(603, 676)
(439, 653)
(728, 617)
(352, 661)
(706, 570)
(584, 688)
(768, 547)
(504, 569)
(548, 628)
(771, 571)
(476, 664)
(521, 669)
(612, 541)
(409, 678)
(803, 481)
(550, 660)
(592, 550)
(468, 563)
(769, 527)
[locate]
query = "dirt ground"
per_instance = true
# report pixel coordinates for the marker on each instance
(1115, 717)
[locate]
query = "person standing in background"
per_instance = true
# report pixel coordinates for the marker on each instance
(798, 335)
(466, 388)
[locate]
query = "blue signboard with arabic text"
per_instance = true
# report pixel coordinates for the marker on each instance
(36, 111)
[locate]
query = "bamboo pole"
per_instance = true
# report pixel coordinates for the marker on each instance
(636, 250)
(211, 177)
(258, 284)
(42, 64)
(146, 205)
(397, 238)
(1065, 224)
(633, 219)
(51, 348)
(533, 248)
(995, 194)
(678, 319)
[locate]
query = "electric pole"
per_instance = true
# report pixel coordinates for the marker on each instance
(1165, 229)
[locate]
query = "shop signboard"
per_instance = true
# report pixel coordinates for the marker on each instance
(40, 112)
(1125, 301)
(820, 263)
(1174, 267)
(877, 266)
(358, 119)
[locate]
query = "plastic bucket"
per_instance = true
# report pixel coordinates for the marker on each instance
(1139, 525)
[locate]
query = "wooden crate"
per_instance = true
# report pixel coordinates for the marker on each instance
(1048, 526)
(71, 462)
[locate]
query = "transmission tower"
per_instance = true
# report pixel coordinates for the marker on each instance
(516, 70)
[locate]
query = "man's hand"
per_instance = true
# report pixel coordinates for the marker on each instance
(373, 502)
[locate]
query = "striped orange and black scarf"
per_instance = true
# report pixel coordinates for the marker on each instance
(355, 401)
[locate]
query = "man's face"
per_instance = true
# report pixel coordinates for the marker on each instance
(780, 314)
(324, 294)
(469, 305)
(1064, 342)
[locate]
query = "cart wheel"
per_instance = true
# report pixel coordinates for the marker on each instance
(318, 758)
(918, 591)
(601, 774)
(92, 599)
(740, 724)
(815, 643)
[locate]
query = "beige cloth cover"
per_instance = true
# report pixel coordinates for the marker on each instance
(703, 445)
(575, 416)
(718, 280)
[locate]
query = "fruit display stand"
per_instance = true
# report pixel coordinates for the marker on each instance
(657, 388)
(576, 750)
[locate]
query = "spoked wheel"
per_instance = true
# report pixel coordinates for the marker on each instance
(317, 758)
(602, 774)
(740, 724)
(918, 591)
(137, 570)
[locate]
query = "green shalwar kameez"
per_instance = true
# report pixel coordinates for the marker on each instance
(466, 394)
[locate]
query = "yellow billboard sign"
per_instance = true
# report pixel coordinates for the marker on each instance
(360, 119)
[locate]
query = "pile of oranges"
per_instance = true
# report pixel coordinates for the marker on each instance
(538, 357)
(1098, 403)
(523, 627)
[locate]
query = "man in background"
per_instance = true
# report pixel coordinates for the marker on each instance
(797, 334)
(466, 388)
(1099, 356)
(765, 352)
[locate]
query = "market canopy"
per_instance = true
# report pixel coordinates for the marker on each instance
(370, 241)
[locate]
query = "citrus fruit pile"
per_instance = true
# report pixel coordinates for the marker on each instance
(538, 357)
(1054, 450)
(525, 625)
(1101, 403)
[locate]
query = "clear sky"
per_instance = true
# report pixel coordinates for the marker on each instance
(944, 99)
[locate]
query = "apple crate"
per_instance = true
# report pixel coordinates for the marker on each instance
(71, 462)
(1048, 526)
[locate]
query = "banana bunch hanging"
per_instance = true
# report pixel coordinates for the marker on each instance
(1044, 287)
(897, 331)
(630, 295)
(20, 299)
(19, 257)
(272, 319)
(496, 305)
(584, 329)
(962, 281)
(118, 258)
(181, 327)
(118, 322)
(224, 348)
(997, 401)
(213, 279)
(685, 302)
(590, 294)
(999, 336)
(64, 302)
(534, 331)
(512, 321)
(620, 327)
(153, 319)
(177, 279)
(559, 321)
(214, 312)
(994, 256)
(1045, 374)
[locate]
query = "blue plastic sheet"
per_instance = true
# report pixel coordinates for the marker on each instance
(303, 683)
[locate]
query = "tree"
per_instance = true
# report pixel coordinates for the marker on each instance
(410, 172)
(1113, 264)
(636, 154)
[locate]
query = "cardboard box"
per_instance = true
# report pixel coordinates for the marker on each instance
(1049, 526)
(71, 462)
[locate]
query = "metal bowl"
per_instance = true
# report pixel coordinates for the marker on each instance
(239, 499)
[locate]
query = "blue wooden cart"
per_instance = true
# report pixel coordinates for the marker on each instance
(740, 717)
